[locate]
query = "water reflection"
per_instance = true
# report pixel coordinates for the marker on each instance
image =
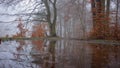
(106, 56)
(58, 54)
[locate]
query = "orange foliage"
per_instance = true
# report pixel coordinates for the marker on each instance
(100, 33)
(38, 31)
(101, 29)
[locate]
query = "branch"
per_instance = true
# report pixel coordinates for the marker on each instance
(51, 1)
(31, 14)
(48, 11)
(11, 2)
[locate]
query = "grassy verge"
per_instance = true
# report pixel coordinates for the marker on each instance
(32, 38)
(56, 38)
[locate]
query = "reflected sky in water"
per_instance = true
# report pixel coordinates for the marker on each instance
(58, 54)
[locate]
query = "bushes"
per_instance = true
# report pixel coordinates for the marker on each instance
(38, 31)
(115, 33)
(112, 34)
(22, 30)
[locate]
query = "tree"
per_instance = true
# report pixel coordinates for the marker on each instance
(51, 21)
(116, 27)
(21, 28)
(72, 18)
(82, 15)
(100, 12)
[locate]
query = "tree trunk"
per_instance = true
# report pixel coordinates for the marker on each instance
(0, 40)
(53, 30)
(51, 22)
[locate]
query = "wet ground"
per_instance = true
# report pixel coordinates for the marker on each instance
(58, 54)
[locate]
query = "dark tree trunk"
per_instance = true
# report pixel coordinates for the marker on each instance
(0, 40)
(53, 30)
(51, 22)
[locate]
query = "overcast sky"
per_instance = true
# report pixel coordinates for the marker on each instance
(11, 28)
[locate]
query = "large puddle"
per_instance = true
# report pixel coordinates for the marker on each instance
(58, 54)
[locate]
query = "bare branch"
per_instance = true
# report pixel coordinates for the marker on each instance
(10, 2)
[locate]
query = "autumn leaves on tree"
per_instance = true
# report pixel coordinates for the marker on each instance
(101, 21)
(38, 30)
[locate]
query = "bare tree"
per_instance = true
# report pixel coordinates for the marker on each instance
(51, 21)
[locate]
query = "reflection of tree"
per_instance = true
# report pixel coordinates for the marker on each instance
(38, 44)
(20, 47)
(105, 56)
(100, 56)
(50, 61)
(114, 57)
(44, 57)
(73, 54)
(37, 52)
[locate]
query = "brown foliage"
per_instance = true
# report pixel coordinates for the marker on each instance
(100, 27)
(115, 32)
(38, 31)
(101, 22)
(101, 33)
(21, 29)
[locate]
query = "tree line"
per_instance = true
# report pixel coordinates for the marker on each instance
(94, 19)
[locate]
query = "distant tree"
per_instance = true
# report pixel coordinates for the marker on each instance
(116, 33)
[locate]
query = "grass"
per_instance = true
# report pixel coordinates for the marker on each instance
(59, 38)
(33, 38)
